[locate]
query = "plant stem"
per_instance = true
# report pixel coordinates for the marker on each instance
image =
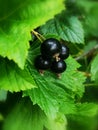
(38, 35)
(91, 84)
(87, 53)
(87, 74)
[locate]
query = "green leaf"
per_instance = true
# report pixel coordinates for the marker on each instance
(89, 9)
(81, 122)
(87, 109)
(94, 69)
(59, 123)
(53, 94)
(15, 46)
(17, 20)
(13, 78)
(90, 46)
(86, 5)
(69, 28)
(91, 21)
(1, 117)
(25, 116)
(3, 95)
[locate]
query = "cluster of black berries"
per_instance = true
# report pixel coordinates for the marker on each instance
(52, 56)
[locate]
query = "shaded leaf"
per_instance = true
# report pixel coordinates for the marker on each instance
(81, 122)
(1, 117)
(91, 16)
(25, 116)
(90, 46)
(94, 69)
(69, 28)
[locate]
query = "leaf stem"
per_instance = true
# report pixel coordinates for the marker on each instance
(87, 53)
(38, 35)
(87, 74)
(91, 84)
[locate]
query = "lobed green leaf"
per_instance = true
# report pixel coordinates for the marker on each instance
(17, 19)
(13, 78)
(66, 27)
(53, 94)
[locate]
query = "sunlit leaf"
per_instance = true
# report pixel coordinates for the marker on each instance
(87, 109)
(17, 19)
(13, 78)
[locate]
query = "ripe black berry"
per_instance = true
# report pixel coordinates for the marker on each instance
(50, 48)
(42, 64)
(64, 52)
(58, 66)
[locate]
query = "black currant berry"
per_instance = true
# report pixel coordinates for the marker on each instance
(42, 64)
(58, 66)
(64, 52)
(50, 48)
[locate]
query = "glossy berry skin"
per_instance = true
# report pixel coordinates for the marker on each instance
(64, 52)
(42, 64)
(58, 67)
(50, 47)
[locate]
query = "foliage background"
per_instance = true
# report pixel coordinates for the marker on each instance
(29, 101)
